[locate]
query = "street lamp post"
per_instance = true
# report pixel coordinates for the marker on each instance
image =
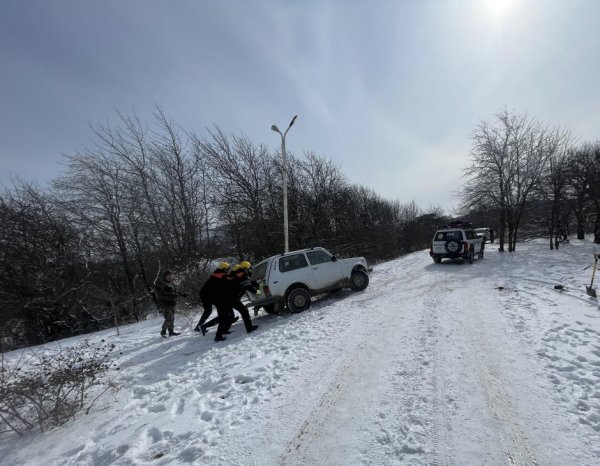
(284, 169)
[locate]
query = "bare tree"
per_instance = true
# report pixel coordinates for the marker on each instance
(242, 172)
(320, 180)
(554, 186)
(580, 165)
(508, 160)
(41, 276)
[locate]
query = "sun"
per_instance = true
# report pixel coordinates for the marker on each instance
(499, 8)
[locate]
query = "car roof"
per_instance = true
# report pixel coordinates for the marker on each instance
(443, 230)
(283, 254)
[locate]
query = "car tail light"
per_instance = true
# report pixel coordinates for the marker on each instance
(466, 245)
(266, 291)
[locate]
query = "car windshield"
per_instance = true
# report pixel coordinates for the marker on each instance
(448, 235)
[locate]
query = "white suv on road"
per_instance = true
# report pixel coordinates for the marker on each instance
(456, 241)
(291, 279)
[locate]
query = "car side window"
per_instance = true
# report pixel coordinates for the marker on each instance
(318, 257)
(292, 262)
(259, 271)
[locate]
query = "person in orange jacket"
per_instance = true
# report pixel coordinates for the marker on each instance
(209, 293)
(237, 283)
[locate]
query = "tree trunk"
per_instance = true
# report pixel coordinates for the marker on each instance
(502, 229)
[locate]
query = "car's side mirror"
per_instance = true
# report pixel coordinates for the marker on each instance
(334, 259)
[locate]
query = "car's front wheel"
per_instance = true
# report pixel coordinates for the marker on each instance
(298, 300)
(359, 280)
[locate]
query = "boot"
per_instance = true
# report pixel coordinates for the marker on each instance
(173, 333)
(220, 338)
(197, 327)
(203, 330)
(252, 328)
(163, 333)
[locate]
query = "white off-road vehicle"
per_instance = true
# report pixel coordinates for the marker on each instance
(292, 279)
(456, 241)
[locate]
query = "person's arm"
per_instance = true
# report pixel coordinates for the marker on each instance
(247, 285)
(169, 290)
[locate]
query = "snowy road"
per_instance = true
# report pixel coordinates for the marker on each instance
(445, 364)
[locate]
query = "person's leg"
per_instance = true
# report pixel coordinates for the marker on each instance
(223, 327)
(170, 319)
(169, 315)
(208, 324)
(205, 315)
(239, 306)
(165, 325)
(211, 322)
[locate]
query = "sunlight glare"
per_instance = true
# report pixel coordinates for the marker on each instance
(499, 8)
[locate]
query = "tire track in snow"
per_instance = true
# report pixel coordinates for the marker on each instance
(516, 445)
(392, 426)
(441, 422)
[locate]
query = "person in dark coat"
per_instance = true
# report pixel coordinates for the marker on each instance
(212, 288)
(166, 300)
(237, 283)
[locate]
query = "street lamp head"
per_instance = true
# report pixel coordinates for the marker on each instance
(275, 128)
(293, 120)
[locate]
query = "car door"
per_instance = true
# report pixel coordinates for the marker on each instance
(293, 268)
(475, 240)
(327, 270)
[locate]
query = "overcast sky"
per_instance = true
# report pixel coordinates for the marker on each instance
(389, 90)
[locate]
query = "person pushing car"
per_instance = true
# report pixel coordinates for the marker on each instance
(209, 293)
(237, 283)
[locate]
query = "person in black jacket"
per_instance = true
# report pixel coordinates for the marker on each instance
(238, 282)
(209, 293)
(166, 299)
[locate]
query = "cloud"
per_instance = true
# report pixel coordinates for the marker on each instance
(390, 91)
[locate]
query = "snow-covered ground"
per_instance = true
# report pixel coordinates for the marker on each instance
(432, 364)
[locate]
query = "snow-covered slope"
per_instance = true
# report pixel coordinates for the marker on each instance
(432, 364)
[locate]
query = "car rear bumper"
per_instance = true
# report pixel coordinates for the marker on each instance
(264, 301)
(447, 255)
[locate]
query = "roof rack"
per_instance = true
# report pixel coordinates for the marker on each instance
(459, 224)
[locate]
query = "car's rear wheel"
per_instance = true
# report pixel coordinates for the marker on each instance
(470, 256)
(298, 300)
(359, 280)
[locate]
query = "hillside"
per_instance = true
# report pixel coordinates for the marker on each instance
(433, 364)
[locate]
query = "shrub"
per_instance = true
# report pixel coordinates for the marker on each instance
(46, 390)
